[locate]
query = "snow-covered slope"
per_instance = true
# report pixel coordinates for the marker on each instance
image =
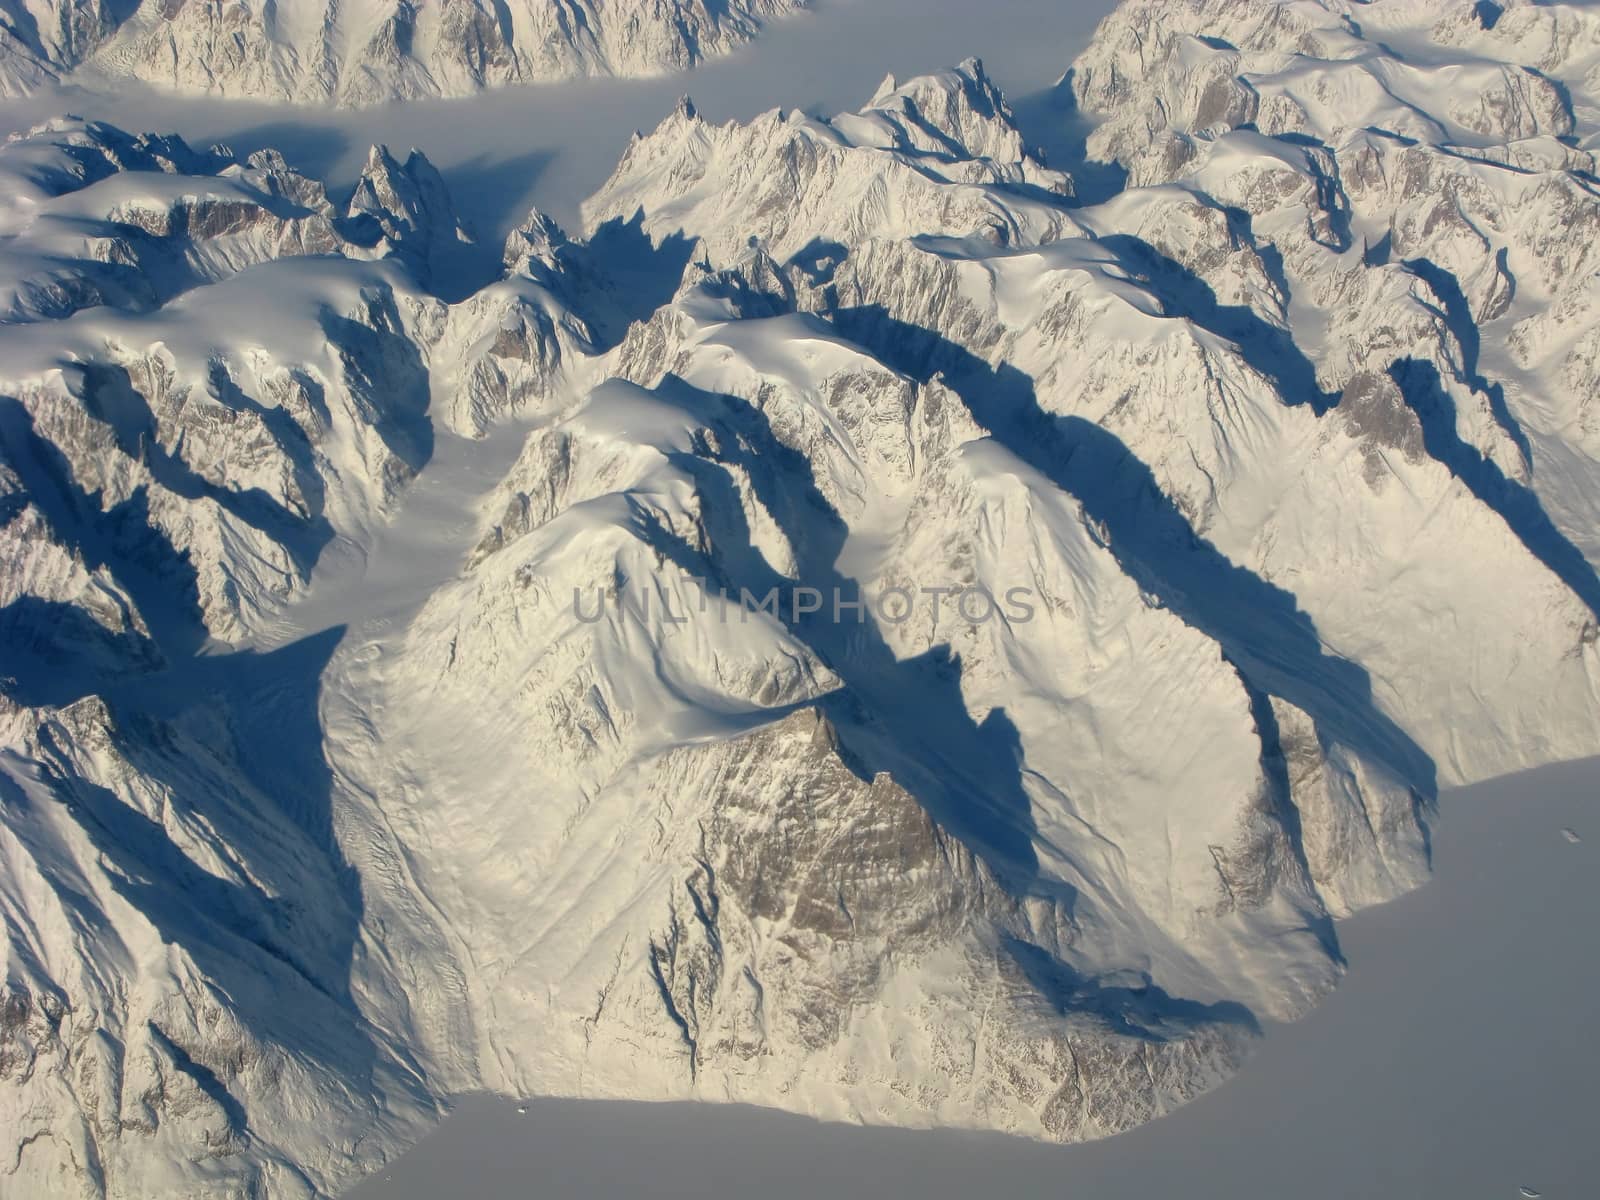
(367, 52)
(407, 696)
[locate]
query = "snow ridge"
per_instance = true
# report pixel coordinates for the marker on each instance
(368, 51)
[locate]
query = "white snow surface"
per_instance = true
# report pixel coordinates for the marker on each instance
(384, 718)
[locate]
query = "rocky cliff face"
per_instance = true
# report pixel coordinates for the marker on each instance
(405, 696)
(369, 51)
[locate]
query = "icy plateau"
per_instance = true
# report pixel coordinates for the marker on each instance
(320, 800)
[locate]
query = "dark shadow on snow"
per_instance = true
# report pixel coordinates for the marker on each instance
(904, 717)
(232, 742)
(1146, 1013)
(1517, 505)
(1280, 797)
(1267, 348)
(235, 744)
(53, 654)
(487, 194)
(1056, 129)
(109, 396)
(1458, 316)
(1259, 626)
(159, 579)
(311, 149)
(381, 362)
(625, 275)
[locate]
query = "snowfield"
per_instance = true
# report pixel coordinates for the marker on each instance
(322, 801)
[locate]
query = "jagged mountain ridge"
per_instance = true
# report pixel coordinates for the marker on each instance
(315, 52)
(1304, 545)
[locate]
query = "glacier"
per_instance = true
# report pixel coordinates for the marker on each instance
(321, 802)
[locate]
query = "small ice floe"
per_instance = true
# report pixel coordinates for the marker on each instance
(1571, 835)
(1531, 1193)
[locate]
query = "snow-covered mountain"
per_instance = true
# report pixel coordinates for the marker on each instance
(366, 52)
(404, 697)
